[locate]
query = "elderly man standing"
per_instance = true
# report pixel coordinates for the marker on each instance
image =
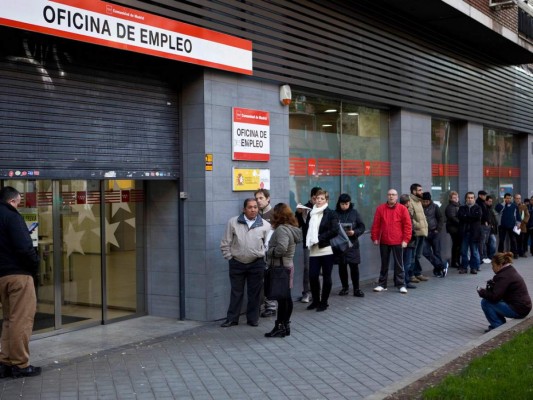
(391, 230)
(243, 245)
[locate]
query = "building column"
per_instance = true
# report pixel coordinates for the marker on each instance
(470, 158)
(410, 150)
(526, 166)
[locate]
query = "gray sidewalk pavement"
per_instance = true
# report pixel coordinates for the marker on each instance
(359, 348)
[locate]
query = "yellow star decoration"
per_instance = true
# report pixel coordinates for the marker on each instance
(72, 240)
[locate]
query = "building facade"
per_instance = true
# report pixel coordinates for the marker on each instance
(127, 155)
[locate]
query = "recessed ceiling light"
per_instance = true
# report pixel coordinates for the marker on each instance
(326, 125)
(330, 110)
(353, 113)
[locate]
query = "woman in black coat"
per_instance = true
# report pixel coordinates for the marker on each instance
(322, 226)
(351, 221)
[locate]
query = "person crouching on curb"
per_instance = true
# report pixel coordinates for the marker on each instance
(506, 294)
(281, 249)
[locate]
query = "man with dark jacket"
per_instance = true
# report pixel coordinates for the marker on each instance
(493, 223)
(432, 240)
(452, 227)
(18, 265)
(510, 218)
(485, 228)
(469, 216)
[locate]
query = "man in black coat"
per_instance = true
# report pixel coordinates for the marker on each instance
(18, 265)
(469, 216)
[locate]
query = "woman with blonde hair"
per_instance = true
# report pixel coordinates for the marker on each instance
(506, 295)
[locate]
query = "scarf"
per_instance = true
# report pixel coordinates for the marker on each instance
(314, 224)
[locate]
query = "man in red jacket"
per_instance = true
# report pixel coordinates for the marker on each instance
(391, 230)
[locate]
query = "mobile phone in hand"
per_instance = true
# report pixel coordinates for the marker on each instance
(32, 227)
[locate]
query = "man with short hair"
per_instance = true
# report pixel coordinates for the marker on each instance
(469, 215)
(301, 215)
(421, 230)
(485, 228)
(524, 219)
(262, 196)
(510, 218)
(243, 245)
(493, 223)
(391, 230)
(432, 245)
(19, 263)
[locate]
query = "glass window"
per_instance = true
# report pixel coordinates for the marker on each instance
(444, 160)
(501, 163)
(341, 147)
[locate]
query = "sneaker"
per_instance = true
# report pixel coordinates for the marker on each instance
(462, 271)
(413, 280)
(422, 278)
(409, 286)
(379, 289)
(473, 271)
(445, 269)
(403, 290)
(358, 293)
(344, 292)
(306, 298)
(486, 261)
(30, 370)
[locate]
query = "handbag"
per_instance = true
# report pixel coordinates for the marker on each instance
(340, 243)
(277, 282)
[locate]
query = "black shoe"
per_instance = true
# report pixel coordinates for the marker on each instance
(287, 328)
(227, 324)
(344, 292)
(268, 313)
(473, 271)
(312, 306)
(322, 307)
(410, 286)
(5, 371)
(488, 330)
(358, 293)
(277, 331)
(24, 372)
(253, 323)
(516, 256)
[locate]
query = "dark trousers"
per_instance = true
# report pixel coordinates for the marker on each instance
(522, 243)
(385, 252)
(252, 275)
(432, 251)
(315, 265)
(455, 261)
(285, 310)
(504, 232)
(354, 274)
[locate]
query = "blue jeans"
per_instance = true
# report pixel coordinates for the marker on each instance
(416, 268)
(491, 246)
(483, 245)
(474, 253)
(496, 312)
(407, 260)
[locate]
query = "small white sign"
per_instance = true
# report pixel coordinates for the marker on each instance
(250, 135)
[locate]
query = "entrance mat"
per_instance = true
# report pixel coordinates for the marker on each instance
(46, 321)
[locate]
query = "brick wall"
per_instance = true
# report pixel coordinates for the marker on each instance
(507, 17)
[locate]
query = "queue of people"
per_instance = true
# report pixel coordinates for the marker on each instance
(404, 227)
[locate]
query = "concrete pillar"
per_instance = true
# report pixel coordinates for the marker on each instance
(470, 158)
(410, 143)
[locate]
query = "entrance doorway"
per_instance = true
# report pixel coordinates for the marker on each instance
(88, 237)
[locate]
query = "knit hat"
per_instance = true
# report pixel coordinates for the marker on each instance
(426, 196)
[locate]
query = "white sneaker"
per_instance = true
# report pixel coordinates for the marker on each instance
(305, 298)
(379, 289)
(403, 290)
(486, 260)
